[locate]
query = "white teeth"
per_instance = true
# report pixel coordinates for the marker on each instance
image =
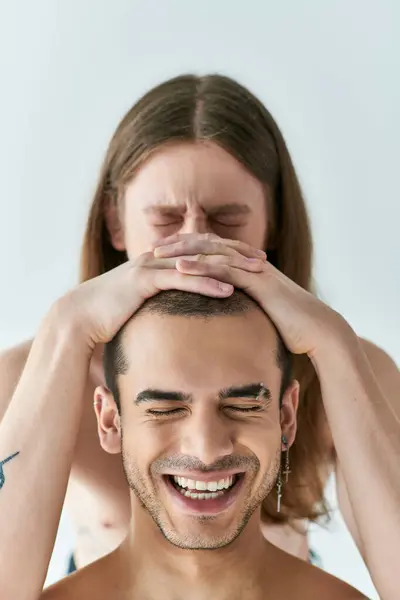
(223, 484)
(202, 486)
(201, 496)
(212, 486)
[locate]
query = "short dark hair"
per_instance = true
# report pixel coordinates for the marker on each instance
(187, 304)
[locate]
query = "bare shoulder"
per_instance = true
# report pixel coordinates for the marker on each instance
(377, 356)
(307, 582)
(331, 588)
(385, 370)
(12, 360)
(92, 581)
(58, 591)
(72, 587)
(12, 363)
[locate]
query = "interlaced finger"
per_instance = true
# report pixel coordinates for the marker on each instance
(198, 245)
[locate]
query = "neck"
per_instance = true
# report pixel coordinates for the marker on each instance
(154, 568)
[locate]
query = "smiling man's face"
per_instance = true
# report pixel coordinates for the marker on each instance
(200, 421)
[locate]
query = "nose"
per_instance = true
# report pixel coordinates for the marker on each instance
(195, 224)
(207, 436)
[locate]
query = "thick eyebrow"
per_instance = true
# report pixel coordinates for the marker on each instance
(257, 391)
(159, 395)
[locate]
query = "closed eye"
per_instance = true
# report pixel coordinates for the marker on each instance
(245, 409)
(228, 221)
(227, 225)
(169, 412)
(178, 411)
(167, 222)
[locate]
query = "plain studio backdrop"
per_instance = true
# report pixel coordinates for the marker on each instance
(329, 73)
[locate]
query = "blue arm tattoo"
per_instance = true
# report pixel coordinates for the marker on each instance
(3, 462)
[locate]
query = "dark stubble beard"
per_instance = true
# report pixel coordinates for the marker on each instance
(149, 501)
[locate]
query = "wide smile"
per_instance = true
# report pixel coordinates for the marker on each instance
(204, 497)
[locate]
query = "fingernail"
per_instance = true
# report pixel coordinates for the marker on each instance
(261, 253)
(225, 287)
(253, 259)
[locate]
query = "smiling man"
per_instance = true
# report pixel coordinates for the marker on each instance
(200, 402)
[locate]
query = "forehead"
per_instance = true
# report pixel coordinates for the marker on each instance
(200, 171)
(196, 354)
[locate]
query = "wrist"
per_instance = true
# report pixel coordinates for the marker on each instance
(338, 342)
(63, 327)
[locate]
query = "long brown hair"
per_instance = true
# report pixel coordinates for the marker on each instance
(217, 108)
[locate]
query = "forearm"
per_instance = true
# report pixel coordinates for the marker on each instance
(366, 436)
(41, 424)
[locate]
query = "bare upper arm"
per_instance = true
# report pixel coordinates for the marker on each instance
(12, 363)
(388, 376)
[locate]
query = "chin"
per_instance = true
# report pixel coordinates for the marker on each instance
(201, 521)
(202, 531)
(200, 540)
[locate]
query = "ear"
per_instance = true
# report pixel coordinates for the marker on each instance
(290, 403)
(114, 224)
(108, 420)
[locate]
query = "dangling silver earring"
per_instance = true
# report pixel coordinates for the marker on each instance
(287, 470)
(279, 490)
